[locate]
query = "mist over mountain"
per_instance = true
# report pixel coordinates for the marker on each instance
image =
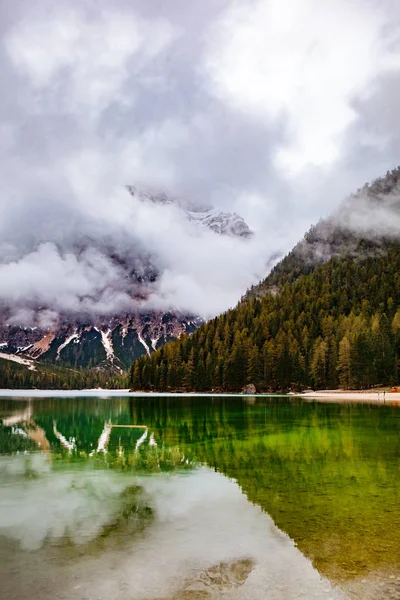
(248, 120)
(116, 310)
(92, 301)
(130, 258)
(327, 315)
(359, 228)
(172, 99)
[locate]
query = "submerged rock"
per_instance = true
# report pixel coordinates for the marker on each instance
(220, 578)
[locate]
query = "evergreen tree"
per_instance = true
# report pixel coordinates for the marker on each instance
(344, 364)
(324, 325)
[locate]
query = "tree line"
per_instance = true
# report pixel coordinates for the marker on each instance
(16, 376)
(336, 326)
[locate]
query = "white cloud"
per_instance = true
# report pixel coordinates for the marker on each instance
(214, 104)
(64, 281)
(301, 63)
(77, 60)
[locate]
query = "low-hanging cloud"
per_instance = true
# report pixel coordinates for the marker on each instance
(96, 268)
(274, 110)
(374, 212)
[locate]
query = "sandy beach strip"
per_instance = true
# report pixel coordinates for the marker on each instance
(375, 396)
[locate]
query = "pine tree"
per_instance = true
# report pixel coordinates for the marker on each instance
(136, 376)
(324, 325)
(344, 364)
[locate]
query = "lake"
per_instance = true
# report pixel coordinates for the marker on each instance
(198, 498)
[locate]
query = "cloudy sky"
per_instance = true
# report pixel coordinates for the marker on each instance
(275, 109)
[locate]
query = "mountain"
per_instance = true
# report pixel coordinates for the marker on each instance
(101, 342)
(361, 224)
(23, 373)
(328, 314)
(112, 341)
(224, 223)
(220, 222)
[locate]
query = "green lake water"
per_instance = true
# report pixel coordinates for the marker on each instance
(234, 497)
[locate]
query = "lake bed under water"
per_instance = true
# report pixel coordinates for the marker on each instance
(198, 498)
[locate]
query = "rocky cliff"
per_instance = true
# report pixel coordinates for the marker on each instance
(84, 339)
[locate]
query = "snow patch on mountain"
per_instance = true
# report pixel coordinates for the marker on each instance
(107, 343)
(22, 361)
(222, 223)
(22, 349)
(74, 336)
(141, 340)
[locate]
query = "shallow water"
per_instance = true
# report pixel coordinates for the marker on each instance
(211, 497)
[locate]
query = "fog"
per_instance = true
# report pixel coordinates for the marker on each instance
(276, 110)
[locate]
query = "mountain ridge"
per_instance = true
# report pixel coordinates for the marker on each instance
(218, 221)
(112, 341)
(336, 236)
(318, 319)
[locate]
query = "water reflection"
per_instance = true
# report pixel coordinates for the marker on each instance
(107, 535)
(327, 474)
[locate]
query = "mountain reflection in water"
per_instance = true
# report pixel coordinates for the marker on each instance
(148, 521)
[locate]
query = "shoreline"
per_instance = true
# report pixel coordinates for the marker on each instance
(341, 396)
(93, 393)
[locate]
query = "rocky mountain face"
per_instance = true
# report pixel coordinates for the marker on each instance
(224, 223)
(113, 342)
(220, 222)
(359, 228)
(327, 316)
(104, 343)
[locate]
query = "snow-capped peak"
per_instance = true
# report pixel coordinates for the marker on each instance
(223, 223)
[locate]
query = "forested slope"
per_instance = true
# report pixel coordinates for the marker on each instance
(338, 325)
(327, 316)
(16, 376)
